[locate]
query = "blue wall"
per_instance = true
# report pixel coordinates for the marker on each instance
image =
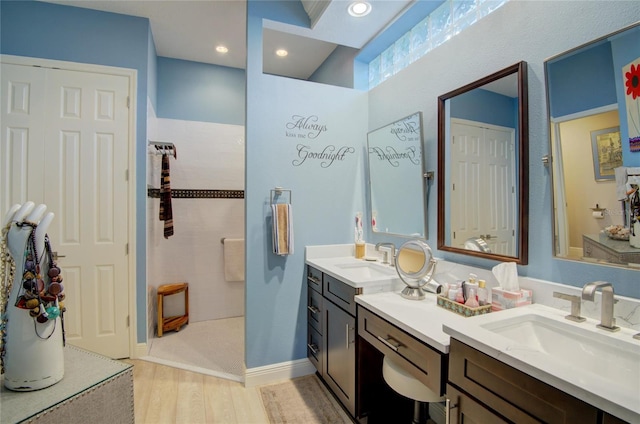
(177, 89)
(593, 78)
(326, 194)
(583, 82)
(51, 31)
(472, 106)
(529, 31)
(200, 92)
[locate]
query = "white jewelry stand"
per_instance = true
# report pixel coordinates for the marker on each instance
(32, 360)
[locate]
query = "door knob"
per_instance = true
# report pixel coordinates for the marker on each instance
(56, 256)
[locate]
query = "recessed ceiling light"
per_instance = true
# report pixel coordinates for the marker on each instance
(281, 52)
(222, 49)
(359, 9)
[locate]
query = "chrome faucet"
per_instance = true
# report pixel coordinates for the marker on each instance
(392, 251)
(607, 321)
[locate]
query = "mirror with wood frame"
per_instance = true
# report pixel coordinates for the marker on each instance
(483, 149)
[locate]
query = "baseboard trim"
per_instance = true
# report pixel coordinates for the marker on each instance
(141, 349)
(277, 372)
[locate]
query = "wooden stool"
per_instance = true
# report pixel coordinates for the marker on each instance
(172, 323)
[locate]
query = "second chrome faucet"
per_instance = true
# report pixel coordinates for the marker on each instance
(607, 321)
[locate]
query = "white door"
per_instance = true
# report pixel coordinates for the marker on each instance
(82, 139)
(483, 190)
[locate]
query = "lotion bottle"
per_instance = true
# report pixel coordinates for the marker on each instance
(483, 294)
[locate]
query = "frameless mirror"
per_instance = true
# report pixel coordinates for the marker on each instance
(396, 182)
(483, 147)
(593, 99)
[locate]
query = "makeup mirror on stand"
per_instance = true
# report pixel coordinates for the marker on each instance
(415, 266)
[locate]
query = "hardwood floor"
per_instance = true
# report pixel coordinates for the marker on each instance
(164, 394)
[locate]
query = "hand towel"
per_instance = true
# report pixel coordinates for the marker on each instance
(233, 259)
(282, 229)
(166, 212)
(621, 182)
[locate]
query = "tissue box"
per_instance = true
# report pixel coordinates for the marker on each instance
(503, 299)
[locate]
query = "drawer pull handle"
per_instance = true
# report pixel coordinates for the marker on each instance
(388, 341)
(313, 348)
(314, 280)
(447, 410)
(347, 329)
(313, 309)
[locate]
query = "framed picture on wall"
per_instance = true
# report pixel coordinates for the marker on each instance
(607, 152)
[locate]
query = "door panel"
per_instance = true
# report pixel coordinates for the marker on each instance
(88, 143)
(21, 121)
(483, 191)
(83, 141)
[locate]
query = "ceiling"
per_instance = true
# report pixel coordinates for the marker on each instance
(191, 29)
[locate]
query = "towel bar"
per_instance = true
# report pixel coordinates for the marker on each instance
(277, 192)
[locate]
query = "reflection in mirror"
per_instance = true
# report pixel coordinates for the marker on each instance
(594, 113)
(415, 266)
(396, 181)
(482, 164)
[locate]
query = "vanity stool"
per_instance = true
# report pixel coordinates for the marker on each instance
(409, 386)
(175, 322)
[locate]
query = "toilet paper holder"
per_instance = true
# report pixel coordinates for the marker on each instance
(598, 212)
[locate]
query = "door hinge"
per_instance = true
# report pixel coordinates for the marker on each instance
(126, 249)
(454, 187)
(128, 321)
(128, 102)
(454, 235)
(126, 175)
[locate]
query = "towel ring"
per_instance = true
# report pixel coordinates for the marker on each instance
(277, 192)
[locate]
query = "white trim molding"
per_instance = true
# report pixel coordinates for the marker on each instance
(277, 372)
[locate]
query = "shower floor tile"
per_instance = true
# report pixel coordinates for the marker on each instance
(213, 347)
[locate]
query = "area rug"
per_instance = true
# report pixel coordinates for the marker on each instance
(302, 400)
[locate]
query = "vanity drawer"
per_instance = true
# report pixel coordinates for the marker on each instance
(314, 348)
(314, 309)
(340, 293)
(510, 391)
(314, 279)
(426, 364)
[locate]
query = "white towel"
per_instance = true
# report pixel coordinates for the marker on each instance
(625, 176)
(282, 223)
(233, 259)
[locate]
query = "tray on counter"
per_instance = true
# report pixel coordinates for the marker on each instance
(461, 309)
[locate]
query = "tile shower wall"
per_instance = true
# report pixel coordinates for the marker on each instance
(209, 156)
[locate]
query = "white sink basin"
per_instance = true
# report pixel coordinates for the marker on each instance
(592, 364)
(362, 271)
(613, 359)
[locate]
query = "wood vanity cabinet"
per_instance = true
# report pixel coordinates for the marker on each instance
(417, 358)
(482, 389)
(331, 333)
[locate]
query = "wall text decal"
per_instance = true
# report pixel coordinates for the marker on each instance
(327, 157)
(304, 127)
(406, 130)
(391, 155)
